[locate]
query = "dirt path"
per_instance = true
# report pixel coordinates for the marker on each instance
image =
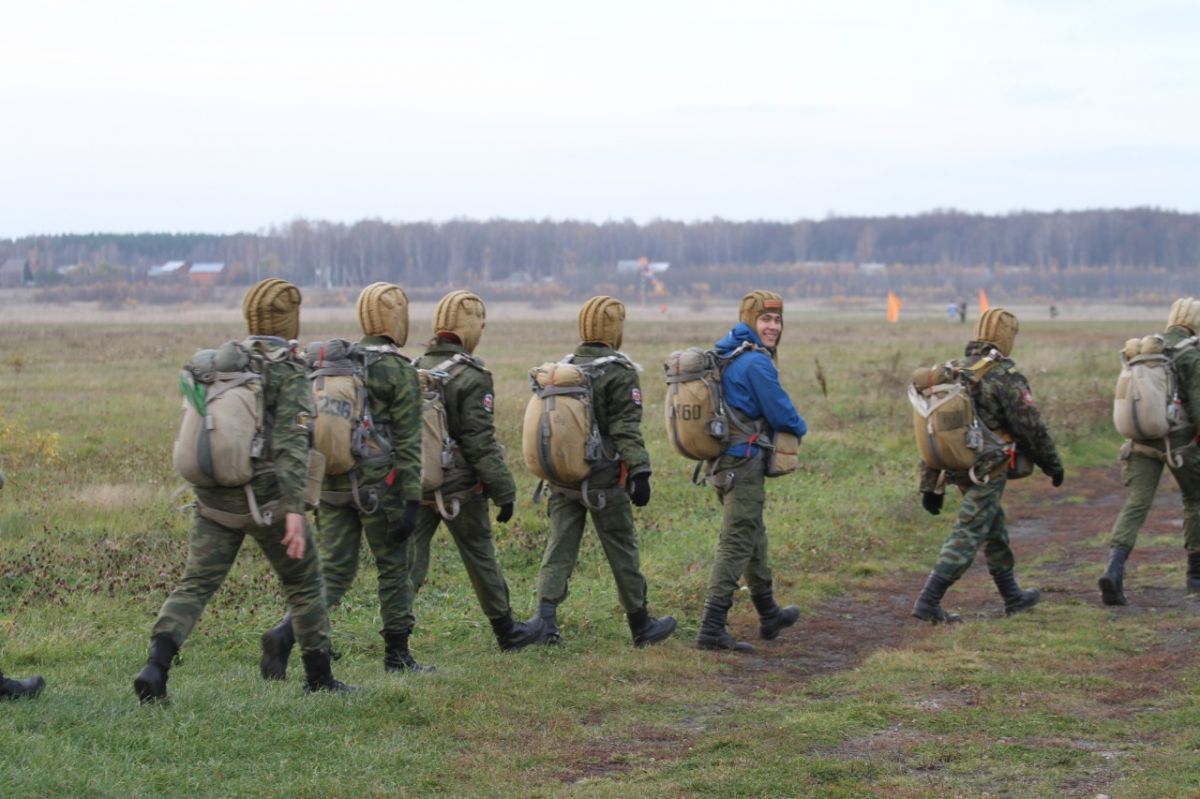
(1061, 530)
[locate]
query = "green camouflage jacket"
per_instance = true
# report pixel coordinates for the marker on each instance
(288, 404)
(470, 401)
(1187, 373)
(1005, 403)
(394, 397)
(617, 399)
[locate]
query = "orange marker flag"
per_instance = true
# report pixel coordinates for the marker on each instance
(983, 303)
(893, 307)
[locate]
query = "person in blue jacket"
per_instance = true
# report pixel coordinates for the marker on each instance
(758, 407)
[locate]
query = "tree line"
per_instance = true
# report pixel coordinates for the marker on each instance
(1046, 254)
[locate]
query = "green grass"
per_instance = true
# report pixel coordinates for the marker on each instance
(1042, 705)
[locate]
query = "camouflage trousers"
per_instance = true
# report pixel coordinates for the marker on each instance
(615, 529)
(1141, 474)
(980, 521)
(742, 546)
(212, 549)
(341, 531)
(472, 534)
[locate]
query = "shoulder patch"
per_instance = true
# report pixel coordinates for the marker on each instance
(1027, 397)
(636, 395)
(488, 402)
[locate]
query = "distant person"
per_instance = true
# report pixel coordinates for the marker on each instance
(476, 472)
(19, 689)
(962, 311)
(1005, 405)
(758, 407)
(1053, 311)
(379, 496)
(618, 481)
(952, 311)
(270, 508)
(1142, 461)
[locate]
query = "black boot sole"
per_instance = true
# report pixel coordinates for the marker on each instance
(1110, 593)
(663, 635)
(146, 692)
(772, 631)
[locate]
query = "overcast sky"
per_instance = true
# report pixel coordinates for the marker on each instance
(225, 116)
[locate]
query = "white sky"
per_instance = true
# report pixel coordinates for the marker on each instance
(221, 116)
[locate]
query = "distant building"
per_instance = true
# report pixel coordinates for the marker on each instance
(15, 272)
(206, 272)
(646, 267)
(171, 270)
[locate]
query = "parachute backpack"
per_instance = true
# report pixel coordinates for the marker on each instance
(560, 437)
(223, 433)
(344, 431)
(438, 448)
(950, 436)
(698, 421)
(1146, 403)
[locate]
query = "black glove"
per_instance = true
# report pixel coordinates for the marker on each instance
(1056, 478)
(932, 501)
(639, 489)
(408, 522)
(505, 512)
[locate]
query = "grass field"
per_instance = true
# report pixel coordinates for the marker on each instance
(858, 700)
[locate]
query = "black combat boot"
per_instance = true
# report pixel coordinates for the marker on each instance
(648, 630)
(1015, 600)
(1112, 583)
(318, 676)
(396, 656)
(514, 635)
(928, 606)
(713, 634)
(772, 619)
(27, 688)
(1193, 573)
(547, 613)
(277, 644)
(151, 682)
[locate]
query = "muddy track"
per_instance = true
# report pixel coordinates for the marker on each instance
(1063, 530)
(1059, 536)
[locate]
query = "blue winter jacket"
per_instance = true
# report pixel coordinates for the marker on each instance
(750, 383)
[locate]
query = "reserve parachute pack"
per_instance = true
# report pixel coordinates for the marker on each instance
(344, 431)
(949, 433)
(560, 437)
(1146, 403)
(222, 432)
(438, 448)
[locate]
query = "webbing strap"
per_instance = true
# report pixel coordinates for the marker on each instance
(592, 499)
(257, 517)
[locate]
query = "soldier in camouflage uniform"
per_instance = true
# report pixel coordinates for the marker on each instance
(757, 406)
(1005, 405)
(1142, 464)
(19, 689)
(223, 516)
(623, 477)
(389, 486)
(478, 472)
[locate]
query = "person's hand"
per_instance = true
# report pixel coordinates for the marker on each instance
(293, 535)
(506, 511)
(932, 501)
(639, 489)
(408, 522)
(1056, 478)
